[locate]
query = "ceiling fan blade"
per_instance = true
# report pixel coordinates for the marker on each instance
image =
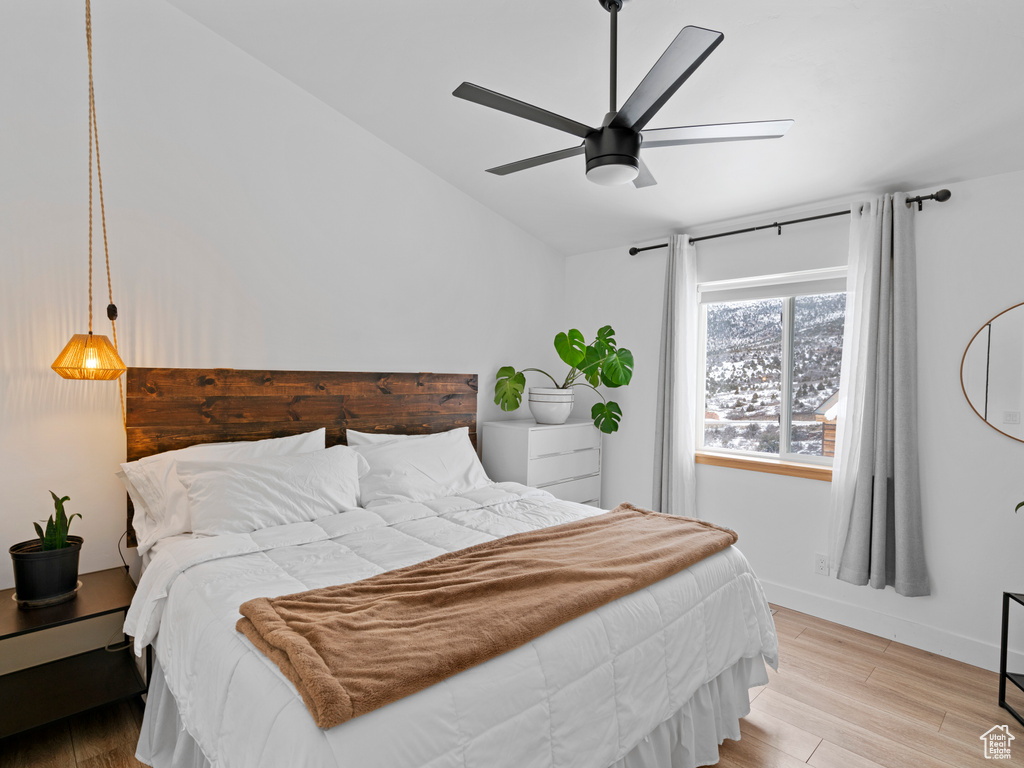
(707, 134)
(687, 52)
(502, 103)
(645, 178)
(532, 162)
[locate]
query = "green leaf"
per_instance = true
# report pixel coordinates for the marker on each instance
(605, 341)
(508, 388)
(50, 537)
(57, 526)
(571, 347)
(591, 367)
(1018, 506)
(39, 532)
(617, 369)
(606, 416)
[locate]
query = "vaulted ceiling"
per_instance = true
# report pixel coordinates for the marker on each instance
(886, 95)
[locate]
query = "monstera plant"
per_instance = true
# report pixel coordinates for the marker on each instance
(600, 363)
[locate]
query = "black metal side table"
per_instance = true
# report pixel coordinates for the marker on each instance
(1014, 677)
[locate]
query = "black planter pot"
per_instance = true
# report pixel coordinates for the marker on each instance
(45, 577)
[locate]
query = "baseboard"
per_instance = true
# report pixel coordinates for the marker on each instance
(942, 642)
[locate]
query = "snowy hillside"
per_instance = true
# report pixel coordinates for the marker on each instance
(744, 371)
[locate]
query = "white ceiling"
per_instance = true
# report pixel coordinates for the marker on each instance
(886, 94)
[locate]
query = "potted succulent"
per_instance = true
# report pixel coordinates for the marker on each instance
(46, 568)
(601, 362)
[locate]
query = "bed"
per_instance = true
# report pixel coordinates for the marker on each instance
(655, 679)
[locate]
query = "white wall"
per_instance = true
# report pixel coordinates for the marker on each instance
(969, 269)
(250, 226)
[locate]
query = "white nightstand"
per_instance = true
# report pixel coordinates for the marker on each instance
(563, 459)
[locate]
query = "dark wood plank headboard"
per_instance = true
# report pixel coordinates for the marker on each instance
(168, 408)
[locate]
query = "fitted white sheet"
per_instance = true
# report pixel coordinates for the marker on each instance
(584, 694)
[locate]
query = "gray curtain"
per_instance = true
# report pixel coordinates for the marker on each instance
(675, 439)
(876, 524)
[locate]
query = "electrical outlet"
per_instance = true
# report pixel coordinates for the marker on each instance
(821, 565)
(1011, 417)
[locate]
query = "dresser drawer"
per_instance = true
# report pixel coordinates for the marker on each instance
(563, 439)
(586, 490)
(564, 466)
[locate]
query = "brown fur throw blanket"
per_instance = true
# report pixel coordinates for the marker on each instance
(352, 648)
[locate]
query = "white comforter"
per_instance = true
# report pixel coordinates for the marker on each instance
(582, 695)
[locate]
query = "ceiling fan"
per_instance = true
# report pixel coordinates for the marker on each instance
(613, 150)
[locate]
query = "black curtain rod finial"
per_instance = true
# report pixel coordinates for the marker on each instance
(940, 197)
(634, 250)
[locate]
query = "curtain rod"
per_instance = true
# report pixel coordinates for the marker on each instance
(941, 196)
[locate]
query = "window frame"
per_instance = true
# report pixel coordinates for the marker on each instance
(786, 286)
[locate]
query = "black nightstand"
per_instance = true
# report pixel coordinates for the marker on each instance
(67, 686)
(1014, 677)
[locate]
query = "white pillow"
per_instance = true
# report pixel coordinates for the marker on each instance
(239, 497)
(161, 505)
(140, 518)
(429, 467)
(373, 438)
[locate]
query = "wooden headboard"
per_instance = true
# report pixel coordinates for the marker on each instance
(168, 408)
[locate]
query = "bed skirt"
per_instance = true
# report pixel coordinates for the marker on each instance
(688, 739)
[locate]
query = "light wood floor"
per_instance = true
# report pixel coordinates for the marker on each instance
(847, 699)
(841, 699)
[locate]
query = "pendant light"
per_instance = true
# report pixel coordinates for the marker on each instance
(89, 356)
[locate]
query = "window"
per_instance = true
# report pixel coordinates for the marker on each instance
(772, 349)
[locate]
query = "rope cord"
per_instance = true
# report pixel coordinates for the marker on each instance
(94, 139)
(92, 112)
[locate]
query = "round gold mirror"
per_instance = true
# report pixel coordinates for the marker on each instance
(992, 372)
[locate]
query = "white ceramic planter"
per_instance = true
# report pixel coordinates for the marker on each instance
(550, 405)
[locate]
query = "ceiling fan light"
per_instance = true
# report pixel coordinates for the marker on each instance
(613, 173)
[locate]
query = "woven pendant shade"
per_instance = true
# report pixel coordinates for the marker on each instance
(88, 356)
